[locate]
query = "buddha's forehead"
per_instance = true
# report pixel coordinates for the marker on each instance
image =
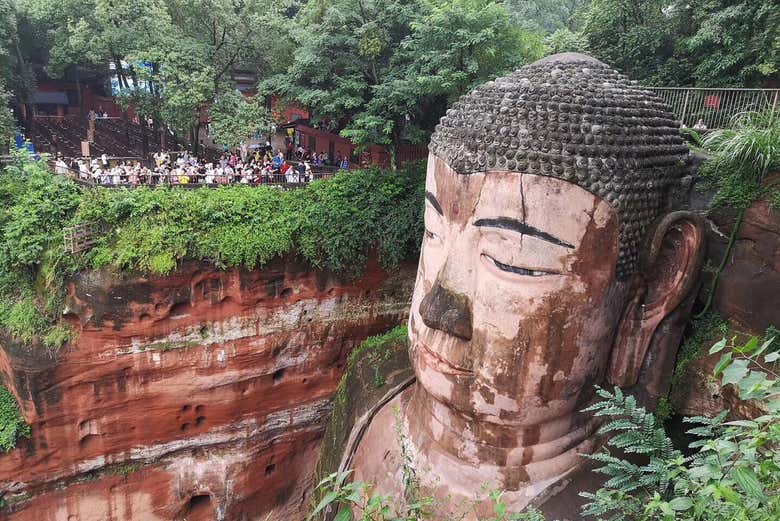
(543, 202)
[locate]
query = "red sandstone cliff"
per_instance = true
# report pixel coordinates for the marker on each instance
(199, 395)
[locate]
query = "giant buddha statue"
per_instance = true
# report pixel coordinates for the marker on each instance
(552, 262)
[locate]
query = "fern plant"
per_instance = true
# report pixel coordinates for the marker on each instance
(734, 471)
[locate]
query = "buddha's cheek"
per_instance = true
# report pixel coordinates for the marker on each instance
(558, 342)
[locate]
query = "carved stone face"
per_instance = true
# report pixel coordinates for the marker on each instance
(516, 302)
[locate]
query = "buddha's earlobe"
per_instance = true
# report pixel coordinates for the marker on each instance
(669, 271)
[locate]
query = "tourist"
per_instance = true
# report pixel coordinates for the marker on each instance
(61, 167)
(278, 161)
(187, 169)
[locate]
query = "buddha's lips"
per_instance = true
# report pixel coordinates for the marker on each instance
(440, 364)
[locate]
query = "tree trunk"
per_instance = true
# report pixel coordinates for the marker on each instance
(395, 145)
(120, 73)
(393, 153)
(196, 139)
(144, 141)
(80, 101)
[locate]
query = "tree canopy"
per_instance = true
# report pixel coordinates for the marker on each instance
(378, 71)
(703, 43)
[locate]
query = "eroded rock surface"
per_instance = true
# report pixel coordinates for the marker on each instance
(199, 395)
(748, 289)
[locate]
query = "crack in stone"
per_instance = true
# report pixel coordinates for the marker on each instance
(522, 205)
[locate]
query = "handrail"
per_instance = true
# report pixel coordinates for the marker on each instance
(709, 88)
(715, 108)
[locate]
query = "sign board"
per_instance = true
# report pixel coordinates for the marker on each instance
(712, 102)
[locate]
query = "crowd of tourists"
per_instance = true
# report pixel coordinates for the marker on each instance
(241, 167)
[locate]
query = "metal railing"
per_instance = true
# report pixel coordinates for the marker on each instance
(716, 108)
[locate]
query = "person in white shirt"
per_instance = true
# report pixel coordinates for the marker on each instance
(61, 167)
(83, 169)
(309, 172)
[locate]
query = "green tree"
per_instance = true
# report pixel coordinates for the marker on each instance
(344, 52)
(634, 37)
(98, 32)
(193, 63)
(7, 36)
(6, 119)
(545, 15)
(735, 44)
(706, 43)
(565, 40)
(234, 117)
(385, 70)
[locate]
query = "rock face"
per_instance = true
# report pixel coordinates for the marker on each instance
(747, 297)
(199, 395)
(748, 291)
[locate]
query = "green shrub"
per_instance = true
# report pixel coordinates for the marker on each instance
(34, 207)
(57, 336)
(12, 425)
(332, 225)
(702, 330)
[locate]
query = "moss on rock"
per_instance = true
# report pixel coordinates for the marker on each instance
(379, 365)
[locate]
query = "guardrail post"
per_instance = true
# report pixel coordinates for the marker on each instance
(685, 107)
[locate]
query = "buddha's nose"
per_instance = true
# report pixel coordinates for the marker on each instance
(447, 311)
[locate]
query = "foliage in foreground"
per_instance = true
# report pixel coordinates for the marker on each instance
(12, 425)
(332, 225)
(733, 473)
(354, 501)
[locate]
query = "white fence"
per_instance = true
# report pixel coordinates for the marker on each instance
(716, 107)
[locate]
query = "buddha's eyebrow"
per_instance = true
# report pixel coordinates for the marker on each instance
(434, 202)
(507, 223)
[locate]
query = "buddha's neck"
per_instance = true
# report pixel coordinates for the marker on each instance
(538, 451)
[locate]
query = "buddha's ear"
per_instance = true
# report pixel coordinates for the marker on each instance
(670, 267)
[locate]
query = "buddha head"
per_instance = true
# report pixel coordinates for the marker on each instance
(551, 253)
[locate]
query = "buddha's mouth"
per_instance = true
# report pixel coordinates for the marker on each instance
(438, 363)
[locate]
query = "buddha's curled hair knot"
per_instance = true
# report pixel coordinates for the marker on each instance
(572, 117)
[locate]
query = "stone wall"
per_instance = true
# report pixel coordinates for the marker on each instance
(199, 395)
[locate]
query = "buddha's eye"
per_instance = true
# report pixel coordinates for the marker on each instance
(430, 235)
(518, 270)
